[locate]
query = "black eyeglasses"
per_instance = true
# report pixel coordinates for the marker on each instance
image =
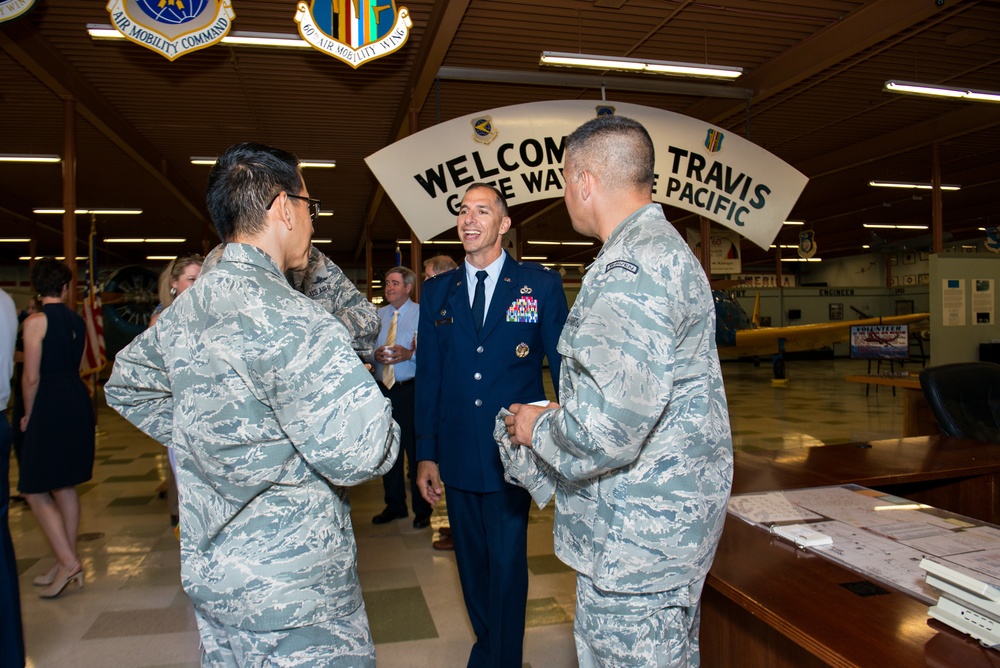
(314, 204)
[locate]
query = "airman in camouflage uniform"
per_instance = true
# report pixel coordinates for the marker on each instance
(640, 450)
(272, 415)
(325, 283)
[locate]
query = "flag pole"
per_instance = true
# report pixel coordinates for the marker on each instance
(91, 297)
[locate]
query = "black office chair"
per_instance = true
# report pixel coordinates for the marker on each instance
(965, 399)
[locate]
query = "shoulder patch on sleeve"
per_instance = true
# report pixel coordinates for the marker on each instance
(622, 264)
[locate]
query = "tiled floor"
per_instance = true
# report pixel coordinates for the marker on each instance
(132, 612)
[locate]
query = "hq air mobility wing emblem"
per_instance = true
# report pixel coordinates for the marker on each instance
(172, 27)
(354, 31)
(11, 9)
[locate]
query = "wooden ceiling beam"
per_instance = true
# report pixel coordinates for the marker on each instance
(873, 22)
(968, 119)
(442, 26)
(34, 53)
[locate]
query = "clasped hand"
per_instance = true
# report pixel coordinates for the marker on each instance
(521, 423)
(393, 354)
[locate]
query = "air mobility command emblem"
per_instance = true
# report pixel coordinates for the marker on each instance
(11, 9)
(483, 130)
(172, 27)
(605, 110)
(354, 31)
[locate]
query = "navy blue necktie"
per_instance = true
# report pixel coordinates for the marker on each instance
(479, 300)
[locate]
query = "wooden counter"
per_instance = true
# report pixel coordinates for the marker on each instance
(769, 605)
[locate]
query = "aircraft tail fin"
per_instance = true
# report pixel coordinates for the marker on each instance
(755, 319)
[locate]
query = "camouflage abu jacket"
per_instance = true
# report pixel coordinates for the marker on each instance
(641, 447)
(271, 414)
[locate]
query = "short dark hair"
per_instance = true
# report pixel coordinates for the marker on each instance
(49, 275)
(409, 278)
(244, 181)
(616, 148)
(501, 200)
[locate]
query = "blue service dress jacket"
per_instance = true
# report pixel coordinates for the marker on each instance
(464, 378)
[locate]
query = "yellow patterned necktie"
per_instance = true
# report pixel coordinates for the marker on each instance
(388, 375)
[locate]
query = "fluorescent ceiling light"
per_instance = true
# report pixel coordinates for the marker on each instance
(322, 241)
(534, 257)
(99, 31)
(326, 214)
(562, 59)
(403, 242)
(58, 257)
(784, 246)
(139, 240)
(124, 212)
(934, 90)
(912, 185)
(25, 157)
(161, 257)
(874, 226)
(14, 240)
(305, 164)
(801, 259)
(794, 222)
(561, 243)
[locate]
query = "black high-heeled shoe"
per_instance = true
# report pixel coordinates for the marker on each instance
(60, 582)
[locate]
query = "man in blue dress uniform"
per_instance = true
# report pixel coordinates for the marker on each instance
(484, 330)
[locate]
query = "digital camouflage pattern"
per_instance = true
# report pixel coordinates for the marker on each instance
(640, 450)
(637, 630)
(272, 415)
(227, 647)
(325, 283)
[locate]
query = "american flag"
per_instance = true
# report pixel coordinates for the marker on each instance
(95, 353)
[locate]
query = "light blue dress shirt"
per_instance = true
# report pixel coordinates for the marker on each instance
(493, 275)
(406, 329)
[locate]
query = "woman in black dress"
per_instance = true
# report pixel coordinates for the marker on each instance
(58, 424)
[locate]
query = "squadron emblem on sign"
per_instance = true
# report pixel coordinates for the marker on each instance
(483, 130)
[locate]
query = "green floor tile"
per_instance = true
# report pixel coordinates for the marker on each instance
(545, 611)
(118, 624)
(131, 501)
(396, 615)
(24, 564)
(546, 563)
(151, 475)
